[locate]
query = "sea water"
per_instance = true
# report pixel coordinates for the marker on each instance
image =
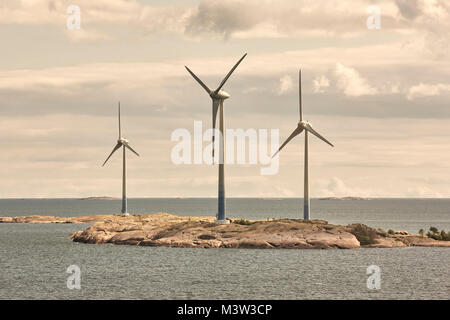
(34, 257)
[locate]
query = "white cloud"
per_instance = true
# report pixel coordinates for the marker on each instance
(430, 21)
(320, 83)
(427, 22)
(270, 18)
(423, 192)
(100, 13)
(87, 35)
(351, 82)
(426, 90)
(286, 85)
(338, 188)
(253, 89)
(224, 18)
(394, 88)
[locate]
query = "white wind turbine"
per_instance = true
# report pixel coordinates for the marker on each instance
(122, 142)
(218, 96)
(306, 126)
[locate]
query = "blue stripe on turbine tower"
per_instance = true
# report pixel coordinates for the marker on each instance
(221, 195)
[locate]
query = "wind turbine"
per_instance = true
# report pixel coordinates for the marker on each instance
(218, 96)
(303, 126)
(122, 143)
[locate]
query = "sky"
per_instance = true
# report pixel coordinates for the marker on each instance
(379, 92)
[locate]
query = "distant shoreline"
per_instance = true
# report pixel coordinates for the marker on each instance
(254, 198)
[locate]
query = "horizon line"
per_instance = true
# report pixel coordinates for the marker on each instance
(214, 197)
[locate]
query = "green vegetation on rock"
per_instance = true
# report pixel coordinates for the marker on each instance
(436, 235)
(364, 234)
(243, 222)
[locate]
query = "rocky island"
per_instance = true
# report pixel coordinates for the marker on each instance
(167, 230)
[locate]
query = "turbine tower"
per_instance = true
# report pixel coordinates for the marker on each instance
(218, 96)
(306, 126)
(122, 142)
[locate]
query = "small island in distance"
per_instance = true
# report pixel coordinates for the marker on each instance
(345, 198)
(101, 198)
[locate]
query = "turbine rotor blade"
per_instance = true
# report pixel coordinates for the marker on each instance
(199, 81)
(120, 126)
(300, 94)
(229, 74)
(215, 108)
(296, 132)
(131, 149)
(118, 145)
(314, 132)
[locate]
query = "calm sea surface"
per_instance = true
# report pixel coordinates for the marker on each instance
(34, 258)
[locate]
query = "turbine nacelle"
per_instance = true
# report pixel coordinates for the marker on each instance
(221, 95)
(122, 141)
(303, 124)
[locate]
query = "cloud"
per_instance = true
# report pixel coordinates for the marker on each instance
(59, 99)
(351, 82)
(423, 192)
(289, 18)
(394, 88)
(408, 8)
(286, 85)
(87, 35)
(338, 188)
(223, 18)
(54, 12)
(427, 22)
(101, 14)
(254, 89)
(320, 83)
(427, 90)
(430, 22)
(165, 84)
